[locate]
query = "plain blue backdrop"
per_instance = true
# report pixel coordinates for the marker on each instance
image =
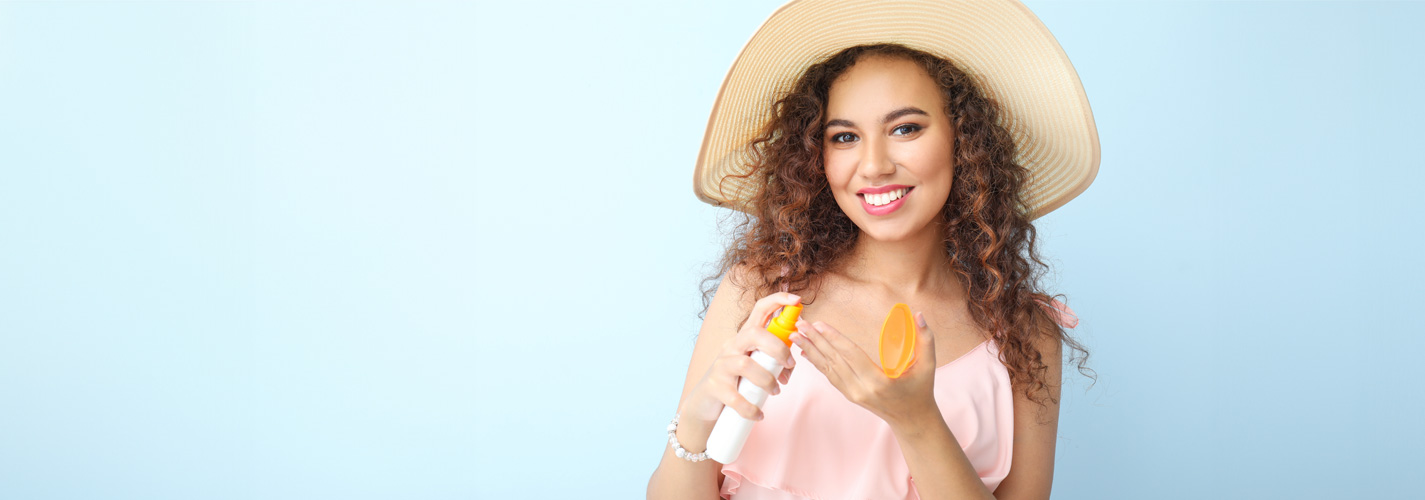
(261, 250)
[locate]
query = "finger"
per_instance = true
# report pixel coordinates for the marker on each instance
(785, 376)
(771, 345)
(833, 358)
(814, 353)
(847, 350)
(764, 340)
(733, 368)
(762, 311)
(733, 399)
(924, 340)
(802, 337)
(924, 335)
(763, 379)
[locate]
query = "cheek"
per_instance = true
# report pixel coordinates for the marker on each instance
(936, 185)
(836, 171)
(944, 168)
(938, 149)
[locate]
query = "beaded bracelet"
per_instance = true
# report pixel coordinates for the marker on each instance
(678, 448)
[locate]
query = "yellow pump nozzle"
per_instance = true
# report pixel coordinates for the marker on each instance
(786, 323)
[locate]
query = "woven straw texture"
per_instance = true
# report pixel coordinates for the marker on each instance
(1000, 43)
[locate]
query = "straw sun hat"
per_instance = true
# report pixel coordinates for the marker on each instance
(1000, 43)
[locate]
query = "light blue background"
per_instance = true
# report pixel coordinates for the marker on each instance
(451, 250)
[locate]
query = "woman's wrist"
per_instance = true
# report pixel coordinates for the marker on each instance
(693, 433)
(916, 422)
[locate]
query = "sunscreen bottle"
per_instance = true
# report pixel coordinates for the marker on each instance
(731, 430)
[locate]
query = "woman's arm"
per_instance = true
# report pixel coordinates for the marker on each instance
(938, 464)
(1036, 429)
(676, 477)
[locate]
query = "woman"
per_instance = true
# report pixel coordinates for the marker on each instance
(887, 174)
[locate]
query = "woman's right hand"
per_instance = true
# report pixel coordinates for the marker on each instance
(718, 387)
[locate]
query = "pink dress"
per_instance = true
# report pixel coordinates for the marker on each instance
(814, 443)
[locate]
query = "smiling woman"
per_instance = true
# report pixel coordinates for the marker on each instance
(888, 155)
(888, 171)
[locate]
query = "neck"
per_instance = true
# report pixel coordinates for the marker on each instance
(915, 266)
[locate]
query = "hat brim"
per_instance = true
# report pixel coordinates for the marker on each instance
(1001, 44)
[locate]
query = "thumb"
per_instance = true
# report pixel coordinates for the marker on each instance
(924, 344)
(924, 336)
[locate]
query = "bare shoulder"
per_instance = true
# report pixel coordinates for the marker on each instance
(731, 304)
(1048, 344)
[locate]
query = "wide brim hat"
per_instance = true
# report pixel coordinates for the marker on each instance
(1001, 44)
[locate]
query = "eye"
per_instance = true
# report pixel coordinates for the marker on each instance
(913, 128)
(837, 136)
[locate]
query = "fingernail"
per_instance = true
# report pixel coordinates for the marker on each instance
(796, 297)
(920, 319)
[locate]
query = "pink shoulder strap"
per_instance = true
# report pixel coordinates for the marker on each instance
(1062, 313)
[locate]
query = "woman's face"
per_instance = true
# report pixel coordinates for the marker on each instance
(886, 127)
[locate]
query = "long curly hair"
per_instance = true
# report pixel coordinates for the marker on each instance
(796, 225)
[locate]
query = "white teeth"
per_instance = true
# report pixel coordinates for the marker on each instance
(884, 198)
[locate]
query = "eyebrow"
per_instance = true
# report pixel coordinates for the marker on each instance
(908, 110)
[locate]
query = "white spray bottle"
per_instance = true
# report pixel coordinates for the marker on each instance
(731, 430)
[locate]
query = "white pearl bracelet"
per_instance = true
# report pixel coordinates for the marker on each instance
(678, 448)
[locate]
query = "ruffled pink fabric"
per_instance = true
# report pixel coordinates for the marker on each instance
(814, 443)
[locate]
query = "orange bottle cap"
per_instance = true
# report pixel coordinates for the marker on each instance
(898, 336)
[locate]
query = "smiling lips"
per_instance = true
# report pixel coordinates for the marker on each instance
(890, 200)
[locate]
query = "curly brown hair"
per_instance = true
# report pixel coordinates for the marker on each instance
(794, 223)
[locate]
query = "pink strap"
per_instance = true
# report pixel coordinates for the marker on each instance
(785, 269)
(1063, 314)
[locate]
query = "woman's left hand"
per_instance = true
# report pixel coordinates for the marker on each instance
(861, 379)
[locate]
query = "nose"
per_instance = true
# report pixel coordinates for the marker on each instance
(875, 159)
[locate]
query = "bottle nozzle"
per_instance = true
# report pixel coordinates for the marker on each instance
(786, 323)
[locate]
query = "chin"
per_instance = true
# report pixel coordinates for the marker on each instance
(885, 231)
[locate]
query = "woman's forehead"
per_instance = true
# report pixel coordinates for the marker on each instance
(874, 87)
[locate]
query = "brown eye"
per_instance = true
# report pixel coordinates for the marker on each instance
(837, 136)
(913, 128)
